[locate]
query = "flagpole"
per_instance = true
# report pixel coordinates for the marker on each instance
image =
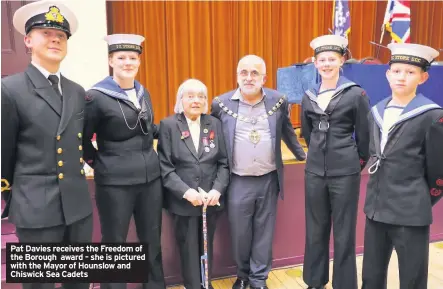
(385, 20)
(377, 48)
(333, 17)
(383, 28)
(382, 33)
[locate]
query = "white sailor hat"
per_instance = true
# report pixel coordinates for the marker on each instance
(45, 14)
(124, 42)
(414, 54)
(330, 42)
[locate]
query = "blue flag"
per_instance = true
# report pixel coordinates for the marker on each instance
(341, 18)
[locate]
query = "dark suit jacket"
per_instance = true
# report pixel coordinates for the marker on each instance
(279, 125)
(183, 168)
(125, 156)
(408, 179)
(42, 150)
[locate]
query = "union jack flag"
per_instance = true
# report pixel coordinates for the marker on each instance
(398, 20)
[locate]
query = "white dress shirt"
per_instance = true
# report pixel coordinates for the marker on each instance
(47, 74)
(194, 128)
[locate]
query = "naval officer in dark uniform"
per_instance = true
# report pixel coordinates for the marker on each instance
(126, 167)
(254, 121)
(42, 124)
(336, 130)
(406, 172)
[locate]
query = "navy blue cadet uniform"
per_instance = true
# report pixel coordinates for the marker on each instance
(406, 180)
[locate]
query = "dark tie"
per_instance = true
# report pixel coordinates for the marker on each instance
(54, 81)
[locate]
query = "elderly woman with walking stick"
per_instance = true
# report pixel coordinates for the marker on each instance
(195, 173)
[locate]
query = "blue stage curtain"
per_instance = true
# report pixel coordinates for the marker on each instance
(294, 80)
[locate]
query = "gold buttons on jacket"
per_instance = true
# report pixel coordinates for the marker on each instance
(58, 137)
(60, 176)
(81, 160)
(79, 135)
(59, 150)
(80, 148)
(82, 172)
(60, 163)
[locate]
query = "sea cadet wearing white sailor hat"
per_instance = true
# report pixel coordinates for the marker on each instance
(126, 167)
(336, 130)
(42, 122)
(406, 172)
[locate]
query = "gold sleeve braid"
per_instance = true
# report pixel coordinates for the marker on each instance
(5, 185)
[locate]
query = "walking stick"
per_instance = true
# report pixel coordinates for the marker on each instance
(204, 261)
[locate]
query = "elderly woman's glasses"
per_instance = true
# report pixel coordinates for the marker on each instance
(197, 97)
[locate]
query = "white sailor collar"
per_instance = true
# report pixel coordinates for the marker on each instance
(418, 105)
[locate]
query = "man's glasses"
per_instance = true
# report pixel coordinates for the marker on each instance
(253, 73)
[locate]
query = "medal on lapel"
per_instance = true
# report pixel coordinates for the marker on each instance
(205, 144)
(185, 134)
(211, 139)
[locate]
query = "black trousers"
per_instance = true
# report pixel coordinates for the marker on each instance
(252, 211)
(189, 237)
(331, 200)
(116, 205)
(78, 232)
(412, 247)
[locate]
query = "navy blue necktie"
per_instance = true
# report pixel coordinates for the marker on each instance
(54, 81)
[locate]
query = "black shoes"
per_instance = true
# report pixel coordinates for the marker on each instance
(240, 284)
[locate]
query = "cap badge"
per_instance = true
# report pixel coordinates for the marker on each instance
(54, 15)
